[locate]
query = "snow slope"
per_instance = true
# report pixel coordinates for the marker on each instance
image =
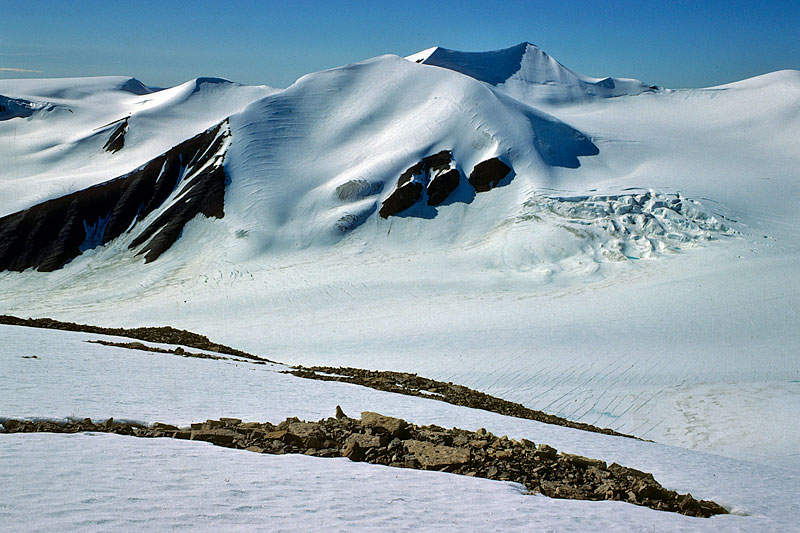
(577, 286)
(97, 482)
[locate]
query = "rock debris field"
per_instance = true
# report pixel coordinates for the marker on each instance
(389, 441)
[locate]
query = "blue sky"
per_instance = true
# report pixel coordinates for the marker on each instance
(669, 43)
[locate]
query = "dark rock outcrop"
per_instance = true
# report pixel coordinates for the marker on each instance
(488, 174)
(407, 193)
(442, 185)
(52, 233)
(433, 174)
(383, 440)
(117, 139)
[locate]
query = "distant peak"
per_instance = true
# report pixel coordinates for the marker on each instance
(527, 72)
(202, 80)
(492, 67)
(134, 86)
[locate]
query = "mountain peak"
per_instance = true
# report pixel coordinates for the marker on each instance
(528, 73)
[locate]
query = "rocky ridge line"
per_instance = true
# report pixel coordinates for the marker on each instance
(389, 441)
(396, 382)
(160, 334)
(414, 385)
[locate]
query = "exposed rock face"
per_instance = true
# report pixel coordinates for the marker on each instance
(407, 193)
(117, 139)
(488, 174)
(390, 441)
(48, 235)
(442, 185)
(432, 174)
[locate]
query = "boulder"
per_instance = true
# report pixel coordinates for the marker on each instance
(585, 462)
(303, 429)
(220, 437)
(364, 441)
(548, 452)
(353, 451)
(390, 425)
(434, 456)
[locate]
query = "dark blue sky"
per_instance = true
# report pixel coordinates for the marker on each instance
(669, 43)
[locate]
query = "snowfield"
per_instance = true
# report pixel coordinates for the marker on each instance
(99, 482)
(637, 269)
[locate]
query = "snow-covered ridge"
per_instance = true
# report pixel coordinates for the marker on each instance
(18, 108)
(149, 206)
(61, 149)
(528, 73)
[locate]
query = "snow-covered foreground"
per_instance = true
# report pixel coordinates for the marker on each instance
(103, 481)
(96, 482)
(696, 350)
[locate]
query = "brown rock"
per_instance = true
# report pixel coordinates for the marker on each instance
(403, 197)
(436, 456)
(220, 437)
(164, 427)
(579, 460)
(11, 425)
(391, 425)
(364, 441)
(503, 454)
(303, 429)
(353, 451)
(545, 451)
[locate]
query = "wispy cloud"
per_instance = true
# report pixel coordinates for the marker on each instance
(12, 69)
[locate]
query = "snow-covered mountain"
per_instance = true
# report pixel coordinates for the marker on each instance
(607, 255)
(528, 73)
